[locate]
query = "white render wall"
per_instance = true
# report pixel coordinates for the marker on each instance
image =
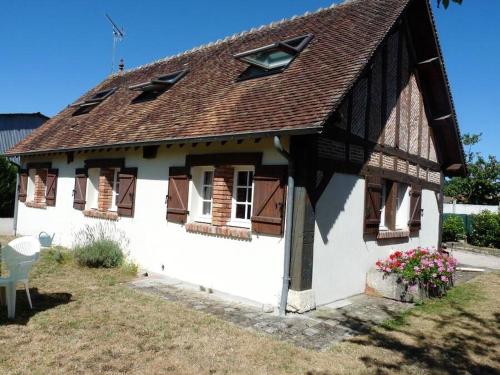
(341, 255)
(6, 226)
(250, 269)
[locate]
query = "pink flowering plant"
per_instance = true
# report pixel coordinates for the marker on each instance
(431, 270)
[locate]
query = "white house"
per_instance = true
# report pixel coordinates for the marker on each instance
(277, 164)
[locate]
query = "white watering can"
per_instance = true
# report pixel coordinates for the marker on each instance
(45, 239)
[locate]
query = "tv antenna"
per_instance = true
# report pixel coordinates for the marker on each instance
(118, 35)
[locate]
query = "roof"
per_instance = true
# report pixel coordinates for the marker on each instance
(210, 103)
(16, 126)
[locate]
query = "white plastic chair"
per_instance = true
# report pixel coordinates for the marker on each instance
(19, 256)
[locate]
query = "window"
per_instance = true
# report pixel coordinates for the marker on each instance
(202, 191)
(242, 196)
(102, 189)
(31, 185)
(273, 58)
(395, 206)
(159, 84)
(37, 185)
(93, 188)
(206, 193)
(85, 106)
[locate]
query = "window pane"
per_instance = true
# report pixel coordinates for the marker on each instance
(270, 58)
(249, 211)
(249, 195)
(207, 192)
(241, 194)
(242, 178)
(206, 208)
(207, 179)
(240, 211)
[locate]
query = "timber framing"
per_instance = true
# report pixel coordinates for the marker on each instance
(231, 158)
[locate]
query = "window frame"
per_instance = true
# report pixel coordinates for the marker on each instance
(116, 187)
(93, 204)
(402, 211)
(234, 221)
(196, 194)
(31, 187)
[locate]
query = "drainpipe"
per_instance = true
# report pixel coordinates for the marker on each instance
(289, 219)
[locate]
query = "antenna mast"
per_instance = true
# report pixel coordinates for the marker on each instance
(118, 35)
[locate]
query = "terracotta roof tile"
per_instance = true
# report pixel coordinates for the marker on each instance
(209, 101)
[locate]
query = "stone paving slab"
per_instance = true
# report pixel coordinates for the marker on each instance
(318, 329)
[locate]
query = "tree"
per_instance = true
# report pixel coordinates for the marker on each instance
(446, 3)
(7, 187)
(482, 184)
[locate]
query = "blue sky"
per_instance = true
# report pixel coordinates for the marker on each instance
(53, 51)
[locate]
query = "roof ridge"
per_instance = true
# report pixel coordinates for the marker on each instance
(233, 37)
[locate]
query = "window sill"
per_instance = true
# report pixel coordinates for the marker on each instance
(106, 215)
(223, 231)
(41, 206)
(387, 234)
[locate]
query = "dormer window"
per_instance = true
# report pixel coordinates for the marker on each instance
(273, 58)
(87, 105)
(159, 84)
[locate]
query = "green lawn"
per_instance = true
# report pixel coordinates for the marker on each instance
(89, 321)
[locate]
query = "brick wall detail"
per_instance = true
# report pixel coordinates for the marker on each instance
(40, 186)
(222, 195)
(105, 189)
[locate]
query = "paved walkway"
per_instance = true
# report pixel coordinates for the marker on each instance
(318, 329)
(476, 259)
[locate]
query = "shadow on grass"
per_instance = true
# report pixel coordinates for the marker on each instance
(41, 302)
(464, 349)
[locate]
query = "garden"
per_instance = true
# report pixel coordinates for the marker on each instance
(481, 230)
(86, 319)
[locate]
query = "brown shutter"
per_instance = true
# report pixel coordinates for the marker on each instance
(22, 188)
(51, 190)
(178, 191)
(80, 190)
(269, 199)
(126, 191)
(373, 201)
(415, 222)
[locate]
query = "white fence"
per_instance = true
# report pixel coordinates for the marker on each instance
(6, 226)
(467, 209)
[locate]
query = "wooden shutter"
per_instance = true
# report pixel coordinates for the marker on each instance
(269, 199)
(126, 191)
(178, 191)
(373, 201)
(22, 188)
(51, 190)
(415, 222)
(80, 190)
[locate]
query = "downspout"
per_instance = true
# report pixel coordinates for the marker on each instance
(288, 226)
(16, 202)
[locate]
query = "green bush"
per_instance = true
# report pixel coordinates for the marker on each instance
(7, 187)
(453, 229)
(100, 245)
(101, 253)
(486, 229)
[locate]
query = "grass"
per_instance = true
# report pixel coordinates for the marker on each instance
(89, 321)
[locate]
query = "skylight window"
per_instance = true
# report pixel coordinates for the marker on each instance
(85, 106)
(277, 56)
(159, 84)
(96, 98)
